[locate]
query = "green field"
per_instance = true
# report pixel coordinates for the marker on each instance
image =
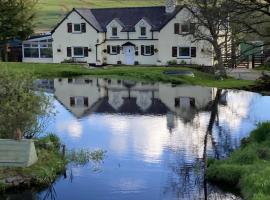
(50, 12)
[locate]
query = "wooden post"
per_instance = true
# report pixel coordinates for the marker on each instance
(63, 151)
(253, 61)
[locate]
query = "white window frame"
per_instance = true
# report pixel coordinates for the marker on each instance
(141, 31)
(79, 101)
(113, 52)
(39, 44)
(115, 27)
(77, 56)
(74, 28)
(184, 24)
(178, 52)
(145, 53)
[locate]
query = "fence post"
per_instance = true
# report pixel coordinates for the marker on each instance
(253, 61)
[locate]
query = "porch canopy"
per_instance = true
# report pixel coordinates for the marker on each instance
(128, 44)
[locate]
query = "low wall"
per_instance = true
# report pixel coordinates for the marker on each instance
(17, 153)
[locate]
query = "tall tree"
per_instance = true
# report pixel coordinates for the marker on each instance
(211, 25)
(16, 21)
(21, 108)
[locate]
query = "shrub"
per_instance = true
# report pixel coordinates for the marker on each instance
(262, 133)
(172, 62)
(245, 156)
(263, 153)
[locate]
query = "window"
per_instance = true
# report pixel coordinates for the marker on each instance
(77, 27)
(184, 51)
(79, 101)
(143, 31)
(38, 49)
(31, 53)
(114, 31)
(147, 50)
(46, 53)
(114, 50)
(78, 52)
(184, 28)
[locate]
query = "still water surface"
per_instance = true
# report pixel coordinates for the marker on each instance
(155, 136)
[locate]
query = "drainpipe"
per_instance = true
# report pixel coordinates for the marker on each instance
(99, 45)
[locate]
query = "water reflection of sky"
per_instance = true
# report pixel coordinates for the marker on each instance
(149, 156)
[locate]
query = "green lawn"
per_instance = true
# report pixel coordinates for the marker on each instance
(248, 168)
(50, 12)
(134, 73)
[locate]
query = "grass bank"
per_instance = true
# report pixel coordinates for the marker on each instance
(134, 73)
(248, 168)
(49, 166)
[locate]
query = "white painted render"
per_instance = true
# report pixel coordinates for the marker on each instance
(62, 39)
(167, 39)
(97, 43)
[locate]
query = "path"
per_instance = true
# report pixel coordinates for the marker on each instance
(245, 74)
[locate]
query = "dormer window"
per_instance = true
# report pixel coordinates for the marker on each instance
(114, 31)
(143, 31)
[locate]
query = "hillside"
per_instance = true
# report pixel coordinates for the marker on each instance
(50, 12)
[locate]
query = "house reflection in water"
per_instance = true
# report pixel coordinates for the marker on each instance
(83, 96)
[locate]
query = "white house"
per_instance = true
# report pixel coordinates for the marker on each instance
(137, 35)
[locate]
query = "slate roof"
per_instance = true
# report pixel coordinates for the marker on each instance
(128, 17)
(128, 107)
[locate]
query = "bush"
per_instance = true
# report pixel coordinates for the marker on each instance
(172, 62)
(262, 133)
(50, 142)
(245, 156)
(263, 153)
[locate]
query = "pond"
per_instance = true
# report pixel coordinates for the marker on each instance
(155, 136)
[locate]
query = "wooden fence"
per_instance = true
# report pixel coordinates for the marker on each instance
(251, 61)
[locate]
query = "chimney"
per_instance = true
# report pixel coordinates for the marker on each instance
(170, 6)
